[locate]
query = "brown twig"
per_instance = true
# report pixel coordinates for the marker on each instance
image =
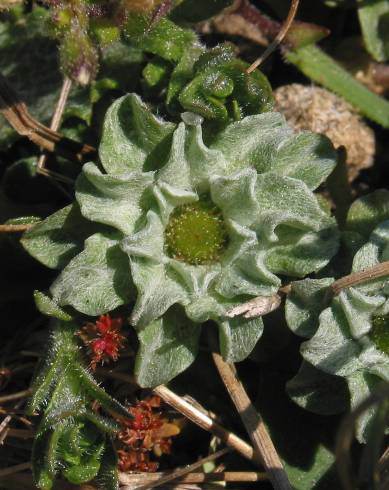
(16, 396)
(195, 414)
(254, 424)
(200, 418)
(56, 119)
(279, 37)
(374, 272)
(16, 113)
(15, 228)
(174, 475)
(15, 469)
(134, 479)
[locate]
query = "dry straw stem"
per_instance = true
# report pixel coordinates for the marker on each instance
(279, 38)
(183, 471)
(16, 113)
(196, 415)
(15, 228)
(132, 480)
(254, 425)
(200, 418)
(374, 272)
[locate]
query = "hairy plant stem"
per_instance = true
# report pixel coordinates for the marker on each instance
(374, 272)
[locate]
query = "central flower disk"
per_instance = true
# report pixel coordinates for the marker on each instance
(196, 234)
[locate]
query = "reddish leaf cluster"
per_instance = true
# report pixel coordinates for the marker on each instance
(103, 339)
(148, 432)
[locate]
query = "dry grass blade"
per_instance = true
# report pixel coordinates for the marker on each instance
(183, 471)
(200, 418)
(279, 38)
(133, 479)
(16, 113)
(15, 228)
(374, 272)
(254, 425)
(15, 469)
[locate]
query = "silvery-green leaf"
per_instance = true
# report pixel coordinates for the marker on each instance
(318, 391)
(304, 304)
(167, 347)
(60, 237)
(332, 349)
(361, 385)
(367, 212)
(97, 280)
(204, 162)
(305, 156)
(157, 290)
(112, 199)
(253, 141)
(238, 337)
(133, 138)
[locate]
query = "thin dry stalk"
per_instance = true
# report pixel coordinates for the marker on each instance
(279, 38)
(374, 272)
(134, 479)
(16, 113)
(56, 119)
(15, 469)
(15, 228)
(200, 418)
(16, 396)
(184, 471)
(254, 424)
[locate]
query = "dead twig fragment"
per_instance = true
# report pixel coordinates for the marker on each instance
(16, 396)
(200, 418)
(15, 228)
(134, 479)
(16, 113)
(15, 469)
(259, 306)
(279, 37)
(184, 471)
(254, 425)
(375, 272)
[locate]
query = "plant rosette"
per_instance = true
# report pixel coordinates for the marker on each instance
(348, 335)
(188, 229)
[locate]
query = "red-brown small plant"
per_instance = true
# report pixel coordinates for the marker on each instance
(148, 432)
(103, 339)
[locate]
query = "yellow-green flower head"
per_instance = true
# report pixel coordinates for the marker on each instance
(197, 227)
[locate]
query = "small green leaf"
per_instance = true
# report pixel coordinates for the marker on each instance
(317, 391)
(167, 347)
(238, 337)
(304, 304)
(367, 212)
(48, 307)
(374, 19)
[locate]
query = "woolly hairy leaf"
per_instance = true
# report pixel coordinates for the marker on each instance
(48, 307)
(101, 274)
(347, 337)
(133, 138)
(58, 238)
(167, 347)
